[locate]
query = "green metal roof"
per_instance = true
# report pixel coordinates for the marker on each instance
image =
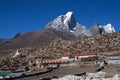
(4, 73)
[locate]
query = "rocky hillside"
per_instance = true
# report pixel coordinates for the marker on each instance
(100, 44)
(107, 43)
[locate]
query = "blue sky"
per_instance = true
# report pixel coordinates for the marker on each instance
(31, 15)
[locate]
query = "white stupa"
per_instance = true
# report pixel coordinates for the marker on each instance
(17, 54)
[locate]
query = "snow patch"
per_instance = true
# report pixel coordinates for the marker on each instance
(67, 18)
(108, 28)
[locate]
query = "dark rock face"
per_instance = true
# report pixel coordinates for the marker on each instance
(18, 35)
(95, 29)
(70, 20)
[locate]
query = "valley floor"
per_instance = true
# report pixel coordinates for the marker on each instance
(110, 71)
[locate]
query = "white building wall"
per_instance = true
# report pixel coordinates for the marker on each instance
(65, 57)
(113, 61)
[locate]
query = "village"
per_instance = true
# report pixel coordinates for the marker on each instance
(89, 66)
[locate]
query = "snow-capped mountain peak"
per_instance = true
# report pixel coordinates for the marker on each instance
(68, 23)
(64, 22)
(108, 28)
(69, 14)
(69, 20)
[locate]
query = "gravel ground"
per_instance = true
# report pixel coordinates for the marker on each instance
(62, 71)
(110, 70)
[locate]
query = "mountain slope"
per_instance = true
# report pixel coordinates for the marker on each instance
(36, 38)
(102, 44)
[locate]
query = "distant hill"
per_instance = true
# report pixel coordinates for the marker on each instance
(34, 39)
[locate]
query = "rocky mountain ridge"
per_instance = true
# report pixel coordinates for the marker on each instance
(68, 23)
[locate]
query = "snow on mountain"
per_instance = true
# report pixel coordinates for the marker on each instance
(81, 31)
(67, 17)
(68, 23)
(108, 28)
(63, 22)
(57, 24)
(69, 20)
